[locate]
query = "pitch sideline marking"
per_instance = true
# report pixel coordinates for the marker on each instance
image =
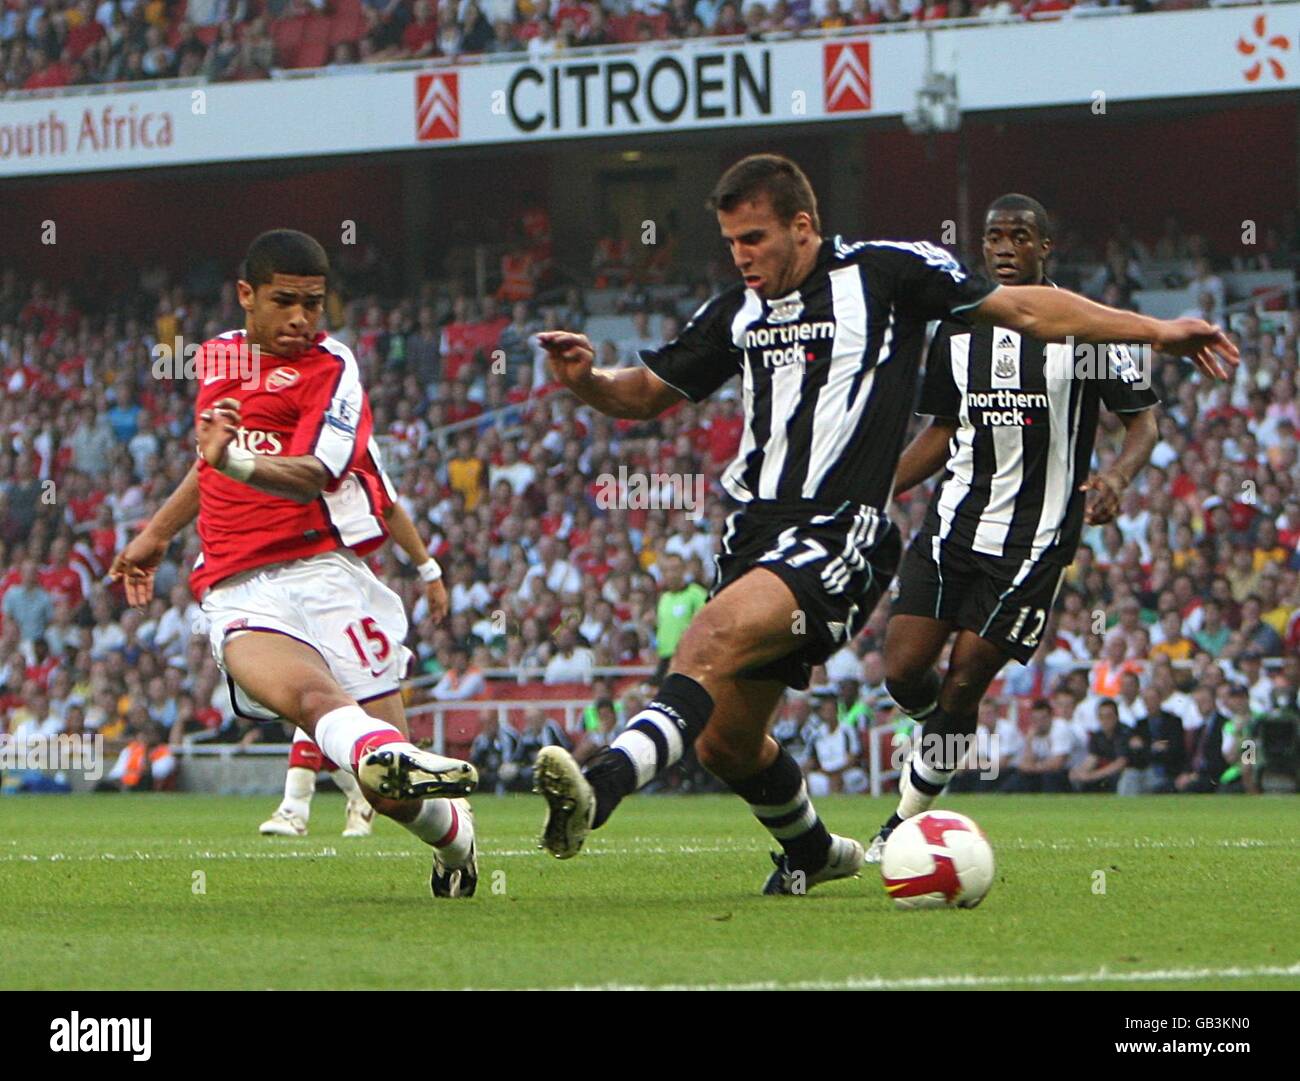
(1018, 844)
(957, 982)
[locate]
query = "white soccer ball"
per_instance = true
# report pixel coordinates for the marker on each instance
(938, 859)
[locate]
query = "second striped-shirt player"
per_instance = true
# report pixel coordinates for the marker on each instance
(1014, 421)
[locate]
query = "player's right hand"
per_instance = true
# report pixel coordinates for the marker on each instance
(217, 429)
(136, 564)
(1204, 344)
(570, 354)
(439, 604)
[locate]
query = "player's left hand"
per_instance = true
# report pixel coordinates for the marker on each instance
(217, 429)
(1206, 345)
(136, 565)
(1104, 506)
(436, 594)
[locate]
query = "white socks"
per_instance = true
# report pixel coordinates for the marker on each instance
(340, 730)
(442, 825)
(299, 786)
(349, 784)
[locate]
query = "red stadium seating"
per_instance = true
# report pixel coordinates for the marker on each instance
(288, 37)
(314, 52)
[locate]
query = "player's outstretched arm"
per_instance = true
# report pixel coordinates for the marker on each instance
(626, 393)
(1056, 314)
(301, 478)
(404, 533)
(925, 455)
(136, 563)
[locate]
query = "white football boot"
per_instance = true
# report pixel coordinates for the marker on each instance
(283, 824)
(360, 819)
(844, 860)
(400, 771)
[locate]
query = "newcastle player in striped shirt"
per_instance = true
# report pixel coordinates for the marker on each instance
(1014, 419)
(826, 337)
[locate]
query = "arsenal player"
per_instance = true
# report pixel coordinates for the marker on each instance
(305, 759)
(286, 487)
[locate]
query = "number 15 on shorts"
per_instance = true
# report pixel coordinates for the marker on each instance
(376, 650)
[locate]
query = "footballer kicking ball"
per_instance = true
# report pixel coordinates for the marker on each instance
(938, 859)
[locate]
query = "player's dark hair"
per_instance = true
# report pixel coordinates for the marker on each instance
(284, 251)
(1109, 702)
(1041, 703)
(1014, 202)
(777, 177)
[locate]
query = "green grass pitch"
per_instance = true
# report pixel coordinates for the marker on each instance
(180, 891)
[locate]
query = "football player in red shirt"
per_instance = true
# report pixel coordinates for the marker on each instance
(286, 489)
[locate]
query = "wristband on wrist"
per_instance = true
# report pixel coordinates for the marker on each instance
(429, 570)
(238, 463)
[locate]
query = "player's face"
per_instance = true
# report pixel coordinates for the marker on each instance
(283, 315)
(772, 256)
(1014, 253)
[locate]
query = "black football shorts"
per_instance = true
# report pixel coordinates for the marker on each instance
(1003, 601)
(837, 563)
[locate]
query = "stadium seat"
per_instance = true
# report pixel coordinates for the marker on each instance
(314, 52)
(288, 35)
(348, 22)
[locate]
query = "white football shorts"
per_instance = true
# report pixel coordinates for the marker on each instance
(333, 603)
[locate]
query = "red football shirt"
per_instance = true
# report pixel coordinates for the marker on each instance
(313, 404)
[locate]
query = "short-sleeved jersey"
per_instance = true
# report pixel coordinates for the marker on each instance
(313, 404)
(828, 372)
(1027, 419)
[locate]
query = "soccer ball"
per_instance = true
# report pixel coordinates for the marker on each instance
(938, 859)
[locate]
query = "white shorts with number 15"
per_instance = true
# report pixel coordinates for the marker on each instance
(331, 602)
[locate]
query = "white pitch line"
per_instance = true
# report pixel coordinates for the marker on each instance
(958, 982)
(638, 847)
(336, 853)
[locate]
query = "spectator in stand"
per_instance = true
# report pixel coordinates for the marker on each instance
(1172, 642)
(690, 542)
(834, 750)
(519, 474)
(641, 339)
(1044, 753)
(494, 753)
(28, 604)
(572, 661)
(1213, 745)
(146, 764)
(602, 735)
(420, 37)
(461, 680)
(1107, 753)
(678, 603)
(539, 731)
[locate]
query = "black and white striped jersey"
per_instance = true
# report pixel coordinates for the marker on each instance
(1027, 417)
(828, 372)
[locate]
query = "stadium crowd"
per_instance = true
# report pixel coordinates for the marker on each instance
(563, 558)
(55, 43)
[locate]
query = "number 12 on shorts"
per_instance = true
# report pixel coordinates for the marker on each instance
(377, 648)
(1030, 639)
